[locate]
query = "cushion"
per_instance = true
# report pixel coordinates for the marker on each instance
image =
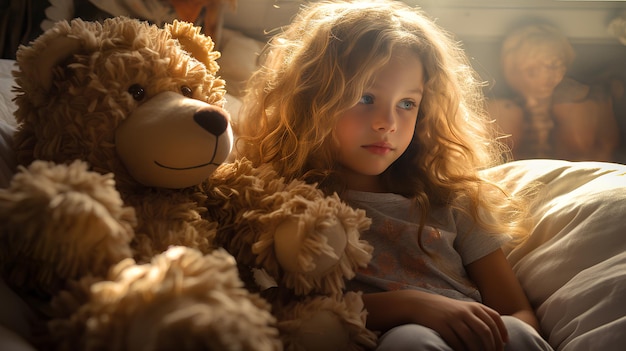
(7, 122)
(573, 266)
(7, 106)
(8, 162)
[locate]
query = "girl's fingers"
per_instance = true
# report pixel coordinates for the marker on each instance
(471, 334)
(501, 327)
(490, 329)
(471, 341)
(453, 339)
(481, 331)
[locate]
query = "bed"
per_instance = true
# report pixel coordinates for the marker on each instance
(573, 266)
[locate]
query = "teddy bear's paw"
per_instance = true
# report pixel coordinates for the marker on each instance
(313, 256)
(319, 246)
(181, 300)
(324, 323)
(60, 222)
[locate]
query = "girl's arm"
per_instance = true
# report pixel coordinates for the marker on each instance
(500, 288)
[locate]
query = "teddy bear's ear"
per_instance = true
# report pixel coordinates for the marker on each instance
(60, 49)
(51, 49)
(195, 43)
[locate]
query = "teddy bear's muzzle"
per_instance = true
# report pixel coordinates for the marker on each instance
(174, 142)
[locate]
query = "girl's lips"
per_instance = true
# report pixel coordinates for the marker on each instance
(378, 148)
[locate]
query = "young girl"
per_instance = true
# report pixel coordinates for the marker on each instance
(372, 100)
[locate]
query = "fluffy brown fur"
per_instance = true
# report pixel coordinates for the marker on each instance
(112, 226)
(302, 294)
(180, 300)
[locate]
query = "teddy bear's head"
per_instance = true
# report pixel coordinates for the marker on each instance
(128, 97)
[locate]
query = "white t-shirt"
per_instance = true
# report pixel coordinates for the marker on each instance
(399, 263)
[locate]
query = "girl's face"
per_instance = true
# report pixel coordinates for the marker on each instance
(374, 133)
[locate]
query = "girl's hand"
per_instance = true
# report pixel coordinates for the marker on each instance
(463, 325)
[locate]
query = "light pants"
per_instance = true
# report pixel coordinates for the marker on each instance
(414, 337)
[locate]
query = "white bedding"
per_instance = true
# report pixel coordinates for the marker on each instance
(574, 265)
(7, 107)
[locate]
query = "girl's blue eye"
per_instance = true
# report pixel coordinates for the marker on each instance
(366, 99)
(406, 104)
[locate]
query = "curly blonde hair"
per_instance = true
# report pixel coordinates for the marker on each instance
(317, 67)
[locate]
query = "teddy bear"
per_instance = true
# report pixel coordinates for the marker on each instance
(128, 227)
(303, 279)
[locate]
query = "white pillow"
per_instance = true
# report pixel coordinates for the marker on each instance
(8, 162)
(7, 122)
(7, 106)
(573, 266)
(15, 317)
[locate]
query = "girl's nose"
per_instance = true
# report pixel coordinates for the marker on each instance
(384, 121)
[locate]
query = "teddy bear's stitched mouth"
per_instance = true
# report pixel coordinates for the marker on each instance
(185, 168)
(211, 162)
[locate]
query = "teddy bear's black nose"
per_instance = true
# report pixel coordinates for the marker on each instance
(211, 120)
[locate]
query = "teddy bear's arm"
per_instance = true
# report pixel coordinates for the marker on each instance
(304, 240)
(53, 219)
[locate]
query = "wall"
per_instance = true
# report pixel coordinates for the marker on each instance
(480, 25)
(486, 20)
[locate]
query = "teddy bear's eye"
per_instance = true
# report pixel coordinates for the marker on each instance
(137, 92)
(186, 91)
